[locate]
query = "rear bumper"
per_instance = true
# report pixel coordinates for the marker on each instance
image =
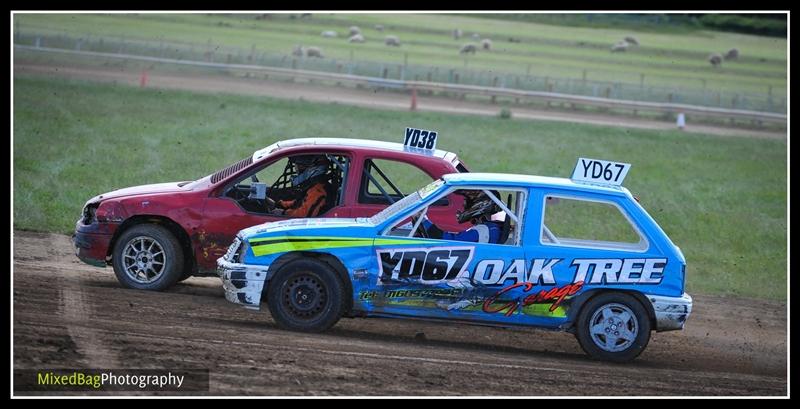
(671, 312)
(242, 283)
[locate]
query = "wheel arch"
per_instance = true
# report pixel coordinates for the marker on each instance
(581, 300)
(326, 258)
(176, 229)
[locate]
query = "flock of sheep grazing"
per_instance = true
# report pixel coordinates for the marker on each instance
(485, 44)
(716, 58)
(299, 51)
(354, 36)
(624, 44)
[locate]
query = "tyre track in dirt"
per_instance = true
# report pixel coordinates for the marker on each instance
(76, 311)
(362, 97)
(731, 346)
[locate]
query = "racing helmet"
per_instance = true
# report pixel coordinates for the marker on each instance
(308, 166)
(308, 161)
(478, 207)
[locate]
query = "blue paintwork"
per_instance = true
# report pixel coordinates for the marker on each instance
(365, 263)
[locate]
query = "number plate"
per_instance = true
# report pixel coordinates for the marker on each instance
(600, 171)
(420, 139)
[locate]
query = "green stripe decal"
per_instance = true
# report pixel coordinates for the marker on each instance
(272, 245)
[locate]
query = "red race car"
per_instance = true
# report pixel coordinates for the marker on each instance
(156, 235)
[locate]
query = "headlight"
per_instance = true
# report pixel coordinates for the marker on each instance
(89, 212)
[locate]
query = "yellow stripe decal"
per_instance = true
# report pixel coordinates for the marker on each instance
(300, 243)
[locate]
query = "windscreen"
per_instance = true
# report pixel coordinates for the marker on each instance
(403, 203)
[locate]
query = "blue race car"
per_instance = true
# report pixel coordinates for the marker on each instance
(579, 254)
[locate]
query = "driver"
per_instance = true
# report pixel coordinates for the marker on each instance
(308, 195)
(479, 209)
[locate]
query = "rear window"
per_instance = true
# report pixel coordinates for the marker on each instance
(588, 223)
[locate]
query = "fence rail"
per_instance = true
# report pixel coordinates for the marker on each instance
(588, 82)
(666, 108)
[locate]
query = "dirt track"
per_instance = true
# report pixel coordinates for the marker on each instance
(363, 98)
(71, 315)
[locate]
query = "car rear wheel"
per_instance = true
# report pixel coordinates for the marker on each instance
(306, 295)
(147, 257)
(613, 327)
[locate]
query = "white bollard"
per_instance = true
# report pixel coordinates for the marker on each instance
(681, 121)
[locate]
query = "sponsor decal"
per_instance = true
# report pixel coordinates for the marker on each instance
(514, 285)
(412, 293)
(446, 264)
(598, 271)
(555, 295)
(619, 271)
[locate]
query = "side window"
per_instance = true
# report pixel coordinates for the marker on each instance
(494, 217)
(571, 221)
(275, 182)
(395, 179)
(271, 173)
(506, 224)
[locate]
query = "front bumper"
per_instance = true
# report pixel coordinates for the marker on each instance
(671, 312)
(242, 283)
(91, 247)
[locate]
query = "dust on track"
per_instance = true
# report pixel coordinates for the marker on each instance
(70, 315)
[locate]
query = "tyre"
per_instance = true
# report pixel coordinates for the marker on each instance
(148, 257)
(185, 276)
(306, 295)
(613, 327)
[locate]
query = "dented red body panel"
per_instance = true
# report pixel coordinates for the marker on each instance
(207, 221)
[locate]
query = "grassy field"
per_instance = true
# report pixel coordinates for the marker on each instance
(723, 200)
(664, 59)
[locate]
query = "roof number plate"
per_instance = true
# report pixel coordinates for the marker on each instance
(420, 139)
(600, 171)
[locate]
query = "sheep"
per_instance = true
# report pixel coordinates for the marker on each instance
(379, 27)
(457, 34)
(354, 30)
(392, 41)
(313, 52)
(621, 46)
(356, 38)
(297, 51)
(330, 34)
(631, 40)
(476, 36)
(468, 48)
(732, 54)
(486, 44)
(715, 59)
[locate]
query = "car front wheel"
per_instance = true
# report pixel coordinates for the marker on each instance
(147, 257)
(306, 295)
(613, 327)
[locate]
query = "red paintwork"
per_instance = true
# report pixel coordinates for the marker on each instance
(211, 221)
